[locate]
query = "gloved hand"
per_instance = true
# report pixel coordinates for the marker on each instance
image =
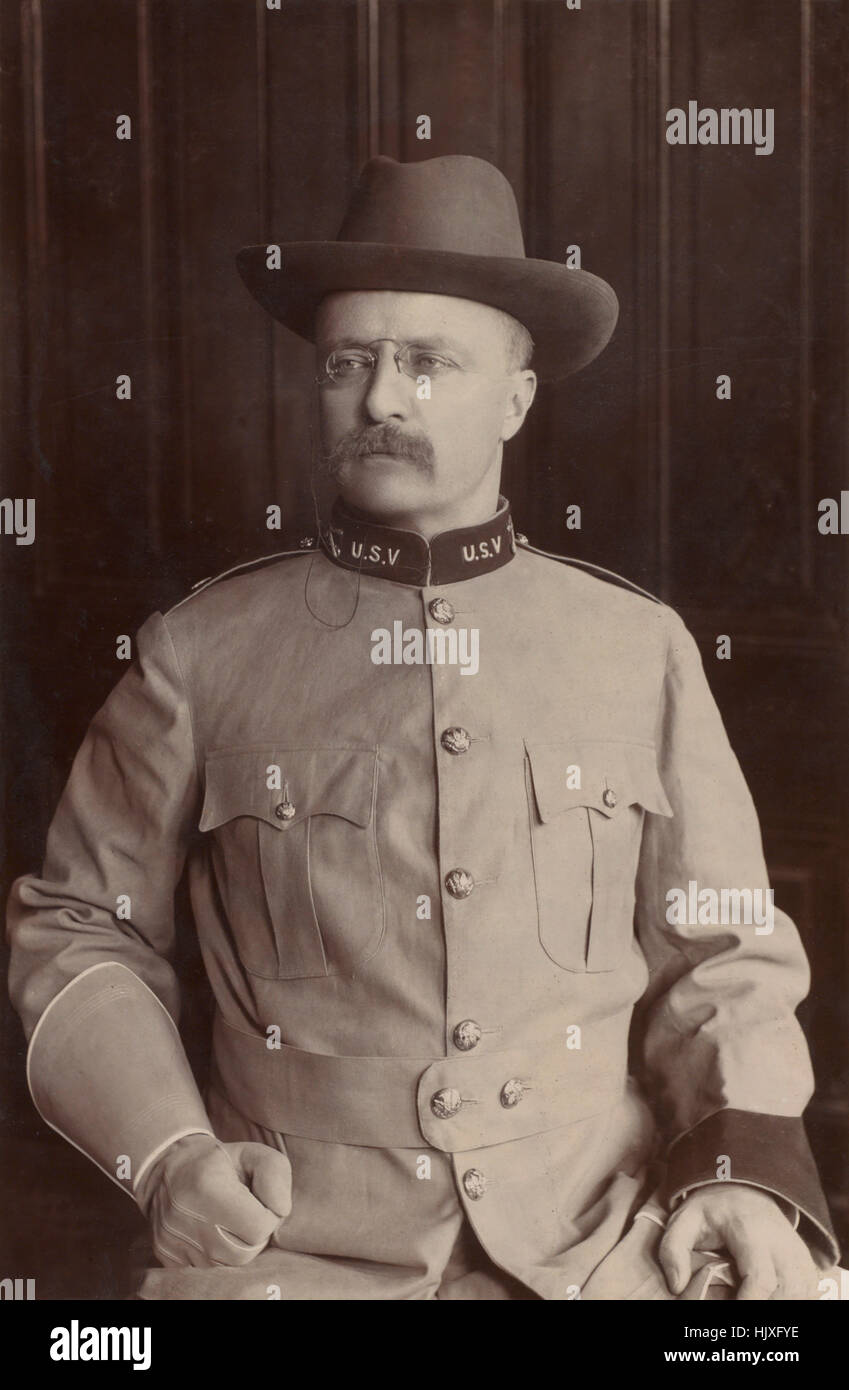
(214, 1204)
(768, 1259)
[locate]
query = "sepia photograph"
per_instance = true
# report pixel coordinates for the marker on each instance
(425, 602)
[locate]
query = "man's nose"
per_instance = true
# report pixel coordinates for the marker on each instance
(387, 394)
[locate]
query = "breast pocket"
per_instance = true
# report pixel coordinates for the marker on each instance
(587, 802)
(295, 856)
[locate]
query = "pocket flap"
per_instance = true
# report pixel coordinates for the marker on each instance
(605, 775)
(313, 782)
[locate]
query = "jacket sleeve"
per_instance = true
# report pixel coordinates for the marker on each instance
(106, 1067)
(717, 1045)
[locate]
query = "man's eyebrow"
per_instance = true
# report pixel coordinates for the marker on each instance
(435, 341)
(421, 341)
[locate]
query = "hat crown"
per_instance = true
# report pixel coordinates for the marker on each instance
(447, 226)
(451, 203)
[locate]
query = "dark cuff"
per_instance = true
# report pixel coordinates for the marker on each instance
(770, 1151)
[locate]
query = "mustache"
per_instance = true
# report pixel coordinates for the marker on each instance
(379, 439)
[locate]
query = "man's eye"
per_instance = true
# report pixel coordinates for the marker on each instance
(429, 364)
(351, 365)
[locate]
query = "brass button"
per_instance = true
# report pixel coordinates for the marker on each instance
(474, 1183)
(446, 1103)
(467, 1035)
(456, 740)
(609, 797)
(284, 810)
(512, 1092)
(441, 610)
(521, 539)
(306, 542)
(459, 883)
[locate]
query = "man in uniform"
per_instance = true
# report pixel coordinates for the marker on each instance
(435, 790)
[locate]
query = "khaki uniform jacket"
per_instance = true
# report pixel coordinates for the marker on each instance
(446, 982)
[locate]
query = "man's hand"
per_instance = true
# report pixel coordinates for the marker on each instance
(772, 1261)
(215, 1204)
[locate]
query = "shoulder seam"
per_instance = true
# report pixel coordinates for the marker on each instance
(599, 570)
(203, 584)
(179, 665)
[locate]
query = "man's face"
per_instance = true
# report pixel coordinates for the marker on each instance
(408, 459)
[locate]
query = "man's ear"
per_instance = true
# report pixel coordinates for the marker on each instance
(519, 402)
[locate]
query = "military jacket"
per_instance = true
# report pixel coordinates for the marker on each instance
(432, 799)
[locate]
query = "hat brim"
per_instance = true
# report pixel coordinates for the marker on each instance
(570, 314)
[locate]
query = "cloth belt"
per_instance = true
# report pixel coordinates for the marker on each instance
(385, 1102)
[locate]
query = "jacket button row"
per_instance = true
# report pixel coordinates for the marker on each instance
(447, 1103)
(456, 740)
(441, 610)
(474, 1183)
(467, 1035)
(459, 883)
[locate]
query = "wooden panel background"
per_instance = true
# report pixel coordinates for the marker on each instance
(250, 125)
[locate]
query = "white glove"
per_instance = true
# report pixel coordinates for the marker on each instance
(215, 1204)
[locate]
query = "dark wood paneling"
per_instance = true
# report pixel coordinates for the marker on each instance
(592, 181)
(226, 357)
(735, 504)
(96, 328)
(449, 60)
(826, 244)
(318, 121)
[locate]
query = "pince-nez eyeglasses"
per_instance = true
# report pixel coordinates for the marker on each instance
(354, 365)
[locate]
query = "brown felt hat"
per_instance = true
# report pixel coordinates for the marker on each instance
(440, 226)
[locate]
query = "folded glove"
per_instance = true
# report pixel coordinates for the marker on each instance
(214, 1204)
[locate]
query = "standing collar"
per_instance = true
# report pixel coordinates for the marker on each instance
(356, 542)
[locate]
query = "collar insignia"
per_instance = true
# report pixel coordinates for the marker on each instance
(356, 542)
